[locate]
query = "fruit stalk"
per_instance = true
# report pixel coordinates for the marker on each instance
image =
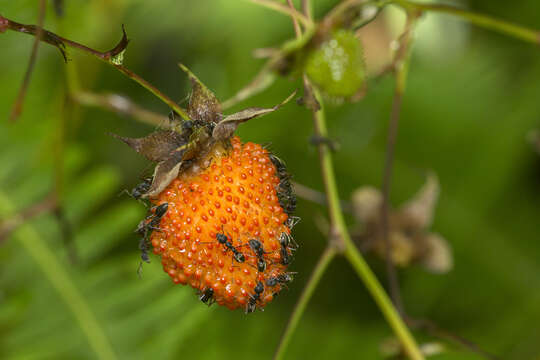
(352, 254)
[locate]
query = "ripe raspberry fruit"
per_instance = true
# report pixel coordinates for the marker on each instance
(221, 216)
(226, 231)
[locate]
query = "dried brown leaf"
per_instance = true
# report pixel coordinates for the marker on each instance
(165, 172)
(156, 147)
(203, 104)
(421, 208)
(229, 124)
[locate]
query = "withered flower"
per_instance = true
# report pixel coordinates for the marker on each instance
(409, 236)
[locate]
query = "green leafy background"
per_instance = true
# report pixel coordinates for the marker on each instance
(465, 116)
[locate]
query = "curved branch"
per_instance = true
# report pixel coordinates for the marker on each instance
(112, 57)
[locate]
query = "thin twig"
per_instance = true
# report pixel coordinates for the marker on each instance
(400, 69)
(18, 105)
(121, 105)
(485, 21)
(300, 307)
(7, 226)
(307, 9)
(297, 30)
(293, 13)
(436, 331)
(307, 193)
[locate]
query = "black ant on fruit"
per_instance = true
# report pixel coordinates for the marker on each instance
(281, 279)
(292, 221)
(253, 299)
(207, 296)
(138, 191)
(286, 240)
(258, 249)
(145, 228)
(286, 258)
(224, 240)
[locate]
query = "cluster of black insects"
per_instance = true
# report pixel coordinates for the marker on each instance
(149, 223)
(284, 190)
(257, 250)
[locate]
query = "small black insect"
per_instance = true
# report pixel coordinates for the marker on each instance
(207, 296)
(138, 191)
(286, 258)
(253, 299)
(261, 264)
(145, 228)
(280, 279)
(286, 240)
(280, 166)
(258, 249)
(292, 221)
(285, 278)
(224, 240)
(161, 210)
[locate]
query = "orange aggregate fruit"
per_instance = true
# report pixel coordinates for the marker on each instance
(234, 191)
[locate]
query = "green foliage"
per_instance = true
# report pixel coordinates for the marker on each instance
(98, 307)
(465, 118)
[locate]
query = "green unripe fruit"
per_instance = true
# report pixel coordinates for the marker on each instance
(336, 66)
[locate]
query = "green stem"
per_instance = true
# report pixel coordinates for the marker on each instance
(301, 305)
(295, 14)
(485, 21)
(351, 252)
(61, 281)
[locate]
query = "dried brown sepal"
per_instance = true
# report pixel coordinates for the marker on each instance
(165, 172)
(203, 104)
(420, 209)
(228, 125)
(410, 240)
(156, 147)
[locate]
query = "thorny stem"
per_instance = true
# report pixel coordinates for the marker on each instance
(300, 307)
(110, 57)
(400, 67)
(17, 107)
(485, 21)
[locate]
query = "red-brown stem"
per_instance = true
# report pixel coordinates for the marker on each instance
(400, 66)
(18, 105)
(107, 56)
